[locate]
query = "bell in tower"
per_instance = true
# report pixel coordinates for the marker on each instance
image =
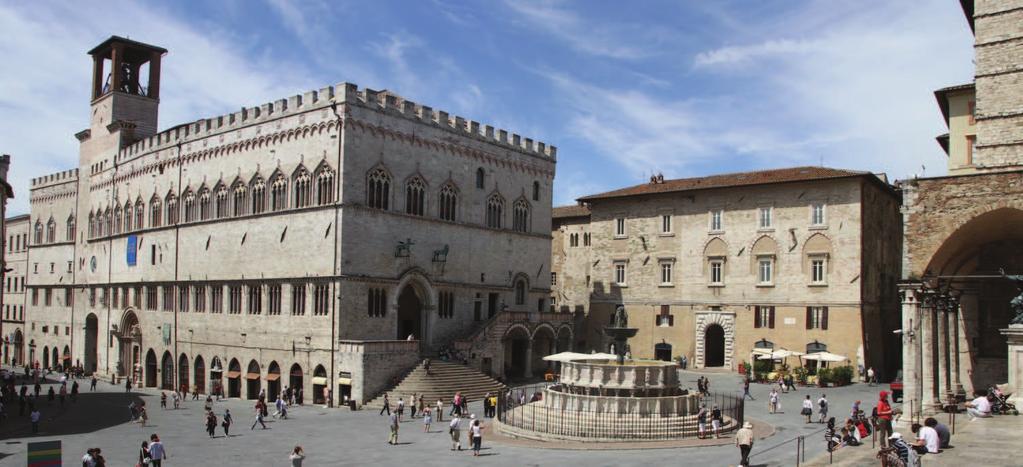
(125, 88)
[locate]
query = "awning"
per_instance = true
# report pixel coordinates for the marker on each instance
(346, 381)
(779, 354)
(251, 375)
(273, 376)
(233, 374)
(825, 357)
(321, 380)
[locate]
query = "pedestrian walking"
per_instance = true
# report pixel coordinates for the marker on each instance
(477, 437)
(701, 421)
(156, 450)
(422, 403)
(297, 456)
(745, 389)
(143, 416)
(744, 440)
(34, 417)
(412, 405)
(870, 377)
(455, 431)
(226, 424)
(144, 457)
(177, 400)
(401, 408)
(74, 392)
(259, 420)
(127, 385)
(392, 424)
(807, 408)
(884, 417)
(92, 383)
(211, 423)
(163, 400)
(427, 420)
(772, 401)
(486, 405)
(195, 392)
(63, 394)
(387, 406)
(440, 410)
(88, 460)
(822, 409)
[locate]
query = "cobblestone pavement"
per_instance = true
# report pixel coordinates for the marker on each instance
(341, 437)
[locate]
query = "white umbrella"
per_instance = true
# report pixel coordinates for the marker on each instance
(566, 357)
(825, 357)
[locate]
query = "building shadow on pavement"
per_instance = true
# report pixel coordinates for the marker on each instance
(92, 412)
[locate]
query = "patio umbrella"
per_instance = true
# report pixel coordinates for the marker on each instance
(826, 357)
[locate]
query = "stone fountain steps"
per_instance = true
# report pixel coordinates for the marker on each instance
(542, 424)
(444, 381)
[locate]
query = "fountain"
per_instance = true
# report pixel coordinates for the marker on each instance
(607, 400)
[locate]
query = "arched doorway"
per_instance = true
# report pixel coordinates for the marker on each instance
(234, 378)
(200, 374)
(129, 341)
(544, 341)
(319, 383)
(516, 348)
(167, 371)
(54, 359)
(295, 381)
(273, 381)
(216, 376)
(410, 314)
(19, 348)
(564, 339)
(91, 343)
(183, 373)
(66, 356)
(662, 351)
(714, 346)
(46, 356)
(252, 383)
(150, 369)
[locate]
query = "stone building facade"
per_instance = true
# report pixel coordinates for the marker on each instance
(15, 347)
(802, 258)
(963, 230)
(327, 240)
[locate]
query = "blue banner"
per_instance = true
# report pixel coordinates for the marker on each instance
(132, 249)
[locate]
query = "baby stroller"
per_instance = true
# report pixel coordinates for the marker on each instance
(999, 397)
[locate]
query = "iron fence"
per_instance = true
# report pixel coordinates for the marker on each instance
(522, 408)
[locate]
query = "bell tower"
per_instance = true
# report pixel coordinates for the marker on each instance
(125, 89)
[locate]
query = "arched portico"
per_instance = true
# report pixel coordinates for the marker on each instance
(129, 341)
(412, 301)
(720, 326)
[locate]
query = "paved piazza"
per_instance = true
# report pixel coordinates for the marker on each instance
(341, 437)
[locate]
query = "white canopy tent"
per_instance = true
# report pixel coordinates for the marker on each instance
(825, 357)
(779, 354)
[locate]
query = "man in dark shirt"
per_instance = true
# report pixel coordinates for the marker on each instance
(944, 435)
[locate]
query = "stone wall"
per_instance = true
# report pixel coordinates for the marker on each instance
(999, 77)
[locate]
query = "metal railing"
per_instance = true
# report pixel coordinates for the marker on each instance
(571, 423)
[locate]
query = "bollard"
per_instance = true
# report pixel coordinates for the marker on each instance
(799, 441)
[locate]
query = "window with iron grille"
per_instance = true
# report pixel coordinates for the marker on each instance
(168, 298)
(234, 299)
(298, 299)
(321, 296)
(216, 298)
(274, 294)
(255, 299)
(377, 302)
(446, 305)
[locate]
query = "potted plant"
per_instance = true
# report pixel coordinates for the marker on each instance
(824, 377)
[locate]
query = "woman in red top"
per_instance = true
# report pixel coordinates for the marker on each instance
(884, 418)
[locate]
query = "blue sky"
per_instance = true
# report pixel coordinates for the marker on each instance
(623, 89)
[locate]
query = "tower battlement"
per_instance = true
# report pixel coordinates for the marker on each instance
(55, 178)
(347, 93)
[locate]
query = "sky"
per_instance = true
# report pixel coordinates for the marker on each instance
(623, 89)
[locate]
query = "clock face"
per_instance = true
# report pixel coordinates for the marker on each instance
(92, 264)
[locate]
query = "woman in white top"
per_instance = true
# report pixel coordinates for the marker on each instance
(477, 437)
(807, 409)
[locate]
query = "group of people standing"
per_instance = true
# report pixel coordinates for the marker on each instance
(459, 407)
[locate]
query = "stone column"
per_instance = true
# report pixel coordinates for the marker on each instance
(956, 313)
(911, 368)
(946, 359)
(529, 359)
(935, 395)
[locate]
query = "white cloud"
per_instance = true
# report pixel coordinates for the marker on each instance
(587, 37)
(747, 53)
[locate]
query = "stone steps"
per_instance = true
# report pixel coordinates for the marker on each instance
(537, 422)
(444, 381)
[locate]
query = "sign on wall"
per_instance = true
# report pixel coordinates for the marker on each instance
(132, 249)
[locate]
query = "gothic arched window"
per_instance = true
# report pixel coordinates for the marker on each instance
(536, 191)
(70, 228)
(107, 222)
(220, 193)
(448, 202)
(51, 231)
(495, 211)
(128, 216)
(325, 186)
(415, 196)
(278, 192)
(520, 292)
(258, 195)
(172, 209)
(189, 198)
(240, 198)
(481, 176)
(205, 204)
(140, 214)
(37, 235)
(302, 182)
(154, 215)
(520, 216)
(378, 191)
(117, 221)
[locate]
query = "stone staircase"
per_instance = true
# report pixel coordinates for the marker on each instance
(445, 379)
